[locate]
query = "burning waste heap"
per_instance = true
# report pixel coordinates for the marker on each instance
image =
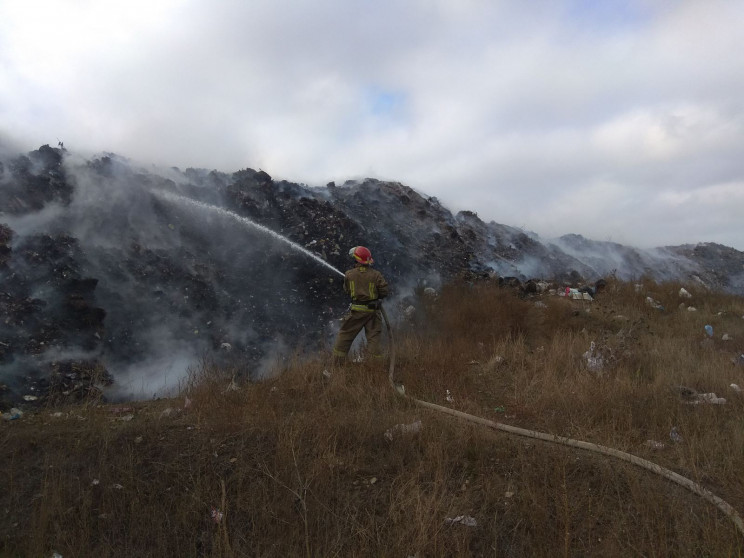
(116, 279)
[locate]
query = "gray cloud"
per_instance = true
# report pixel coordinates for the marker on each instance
(620, 120)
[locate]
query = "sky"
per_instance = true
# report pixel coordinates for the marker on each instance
(617, 120)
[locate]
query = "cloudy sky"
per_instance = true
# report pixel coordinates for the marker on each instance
(618, 120)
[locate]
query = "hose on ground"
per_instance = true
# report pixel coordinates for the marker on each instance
(706, 494)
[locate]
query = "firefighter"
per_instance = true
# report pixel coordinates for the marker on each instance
(367, 287)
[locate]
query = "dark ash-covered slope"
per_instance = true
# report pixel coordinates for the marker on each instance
(111, 271)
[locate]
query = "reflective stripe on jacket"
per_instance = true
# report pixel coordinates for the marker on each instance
(364, 284)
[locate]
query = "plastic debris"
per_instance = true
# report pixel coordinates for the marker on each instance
(13, 414)
(709, 330)
(117, 486)
(56, 555)
(653, 444)
(226, 347)
(95, 482)
(466, 520)
(540, 304)
(735, 387)
(684, 293)
(216, 515)
(691, 309)
(30, 397)
(232, 386)
(187, 403)
(403, 429)
(166, 412)
(594, 360)
(120, 410)
(740, 360)
(326, 374)
(675, 436)
(448, 397)
(726, 337)
(654, 303)
(711, 398)
(125, 418)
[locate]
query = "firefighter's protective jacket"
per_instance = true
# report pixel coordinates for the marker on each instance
(364, 284)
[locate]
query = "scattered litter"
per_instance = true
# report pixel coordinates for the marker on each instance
(120, 410)
(653, 444)
(684, 293)
(735, 387)
(466, 520)
(56, 555)
(740, 360)
(117, 486)
(409, 311)
(166, 412)
(691, 309)
(448, 397)
(711, 398)
(13, 414)
(216, 515)
(272, 390)
(540, 304)
(402, 429)
(508, 494)
(709, 330)
(594, 360)
(95, 482)
(138, 440)
(326, 374)
(575, 294)
(638, 287)
(226, 347)
(674, 435)
(125, 418)
(187, 403)
(56, 414)
(373, 480)
(430, 292)
(30, 397)
(233, 459)
(654, 303)
(473, 362)
(726, 337)
(232, 386)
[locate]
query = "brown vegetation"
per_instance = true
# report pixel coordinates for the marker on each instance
(299, 465)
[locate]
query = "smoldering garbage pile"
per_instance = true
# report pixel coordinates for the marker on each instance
(114, 281)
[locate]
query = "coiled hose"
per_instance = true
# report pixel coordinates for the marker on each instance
(706, 494)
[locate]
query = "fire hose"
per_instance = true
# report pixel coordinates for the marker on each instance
(706, 494)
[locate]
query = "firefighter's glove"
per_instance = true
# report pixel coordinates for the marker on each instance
(374, 304)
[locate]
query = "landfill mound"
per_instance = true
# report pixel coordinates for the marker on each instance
(116, 279)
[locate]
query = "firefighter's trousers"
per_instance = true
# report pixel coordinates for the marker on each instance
(353, 323)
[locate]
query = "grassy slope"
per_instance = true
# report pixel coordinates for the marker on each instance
(299, 464)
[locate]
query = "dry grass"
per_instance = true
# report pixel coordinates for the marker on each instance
(299, 465)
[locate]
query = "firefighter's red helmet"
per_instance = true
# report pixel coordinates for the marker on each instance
(361, 255)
